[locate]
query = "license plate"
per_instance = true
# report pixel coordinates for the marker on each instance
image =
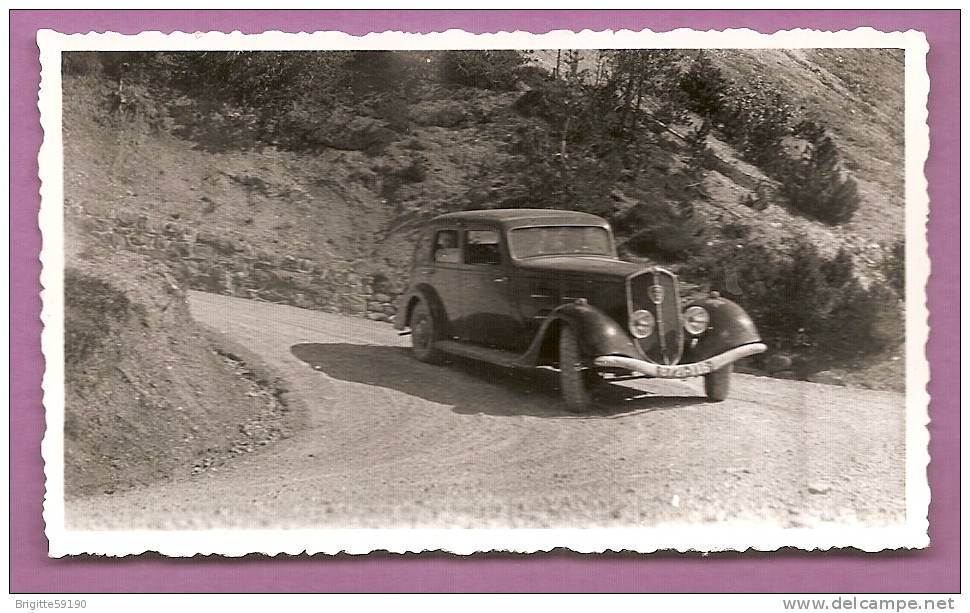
(687, 370)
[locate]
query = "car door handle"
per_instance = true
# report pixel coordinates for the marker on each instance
(500, 279)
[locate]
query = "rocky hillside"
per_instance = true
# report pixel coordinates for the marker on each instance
(311, 196)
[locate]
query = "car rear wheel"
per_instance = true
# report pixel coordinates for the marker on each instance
(424, 332)
(718, 383)
(572, 375)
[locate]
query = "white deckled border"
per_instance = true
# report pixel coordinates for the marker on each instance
(681, 537)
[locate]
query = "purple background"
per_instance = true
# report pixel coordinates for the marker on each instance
(933, 570)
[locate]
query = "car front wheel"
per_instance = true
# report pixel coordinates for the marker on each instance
(718, 383)
(572, 375)
(424, 333)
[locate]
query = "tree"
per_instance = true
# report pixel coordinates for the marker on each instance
(817, 184)
(638, 75)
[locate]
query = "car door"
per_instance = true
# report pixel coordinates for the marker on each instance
(489, 316)
(444, 273)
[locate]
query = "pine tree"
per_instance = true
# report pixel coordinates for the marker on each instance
(818, 186)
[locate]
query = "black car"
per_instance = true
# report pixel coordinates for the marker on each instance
(537, 287)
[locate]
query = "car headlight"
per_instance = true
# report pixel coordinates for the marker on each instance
(696, 320)
(641, 324)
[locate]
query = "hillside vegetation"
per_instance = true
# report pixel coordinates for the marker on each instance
(774, 176)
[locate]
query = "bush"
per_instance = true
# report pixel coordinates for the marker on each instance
(91, 308)
(705, 86)
(414, 172)
(545, 102)
(267, 79)
(698, 153)
(734, 230)
(817, 185)
(80, 62)
(662, 231)
(666, 241)
(486, 69)
(894, 267)
(871, 320)
(394, 178)
(802, 300)
(756, 119)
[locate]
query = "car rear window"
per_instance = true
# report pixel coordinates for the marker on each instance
(560, 240)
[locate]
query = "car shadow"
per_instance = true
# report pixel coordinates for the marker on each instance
(471, 387)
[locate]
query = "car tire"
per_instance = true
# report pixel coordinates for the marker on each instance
(424, 333)
(718, 383)
(572, 375)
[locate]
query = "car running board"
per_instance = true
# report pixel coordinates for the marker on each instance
(500, 357)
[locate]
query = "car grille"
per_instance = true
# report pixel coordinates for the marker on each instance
(666, 343)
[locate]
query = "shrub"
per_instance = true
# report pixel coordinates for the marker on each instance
(803, 300)
(662, 231)
(486, 69)
(756, 118)
(544, 101)
(839, 270)
(415, 144)
(414, 172)
(698, 153)
(734, 230)
(870, 317)
(817, 185)
(894, 267)
(394, 178)
(91, 307)
(80, 62)
(268, 79)
(705, 86)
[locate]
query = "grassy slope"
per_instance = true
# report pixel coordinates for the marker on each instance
(858, 93)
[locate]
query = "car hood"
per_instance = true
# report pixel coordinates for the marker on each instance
(593, 266)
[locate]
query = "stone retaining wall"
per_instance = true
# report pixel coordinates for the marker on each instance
(213, 263)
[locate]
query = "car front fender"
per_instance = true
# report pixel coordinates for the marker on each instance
(730, 327)
(599, 334)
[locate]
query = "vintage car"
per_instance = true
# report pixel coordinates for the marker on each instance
(533, 288)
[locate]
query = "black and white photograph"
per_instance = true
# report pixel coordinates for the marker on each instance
(600, 291)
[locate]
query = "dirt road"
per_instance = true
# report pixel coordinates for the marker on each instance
(391, 442)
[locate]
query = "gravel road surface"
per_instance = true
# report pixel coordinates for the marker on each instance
(392, 442)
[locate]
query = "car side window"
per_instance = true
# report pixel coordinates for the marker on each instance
(482, 247)
(422, 250)
(446, 249)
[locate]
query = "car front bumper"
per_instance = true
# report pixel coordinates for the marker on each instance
(680, 371)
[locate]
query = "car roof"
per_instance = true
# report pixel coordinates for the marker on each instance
(522, 217)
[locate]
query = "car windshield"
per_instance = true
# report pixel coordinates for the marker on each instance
(560, 240)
